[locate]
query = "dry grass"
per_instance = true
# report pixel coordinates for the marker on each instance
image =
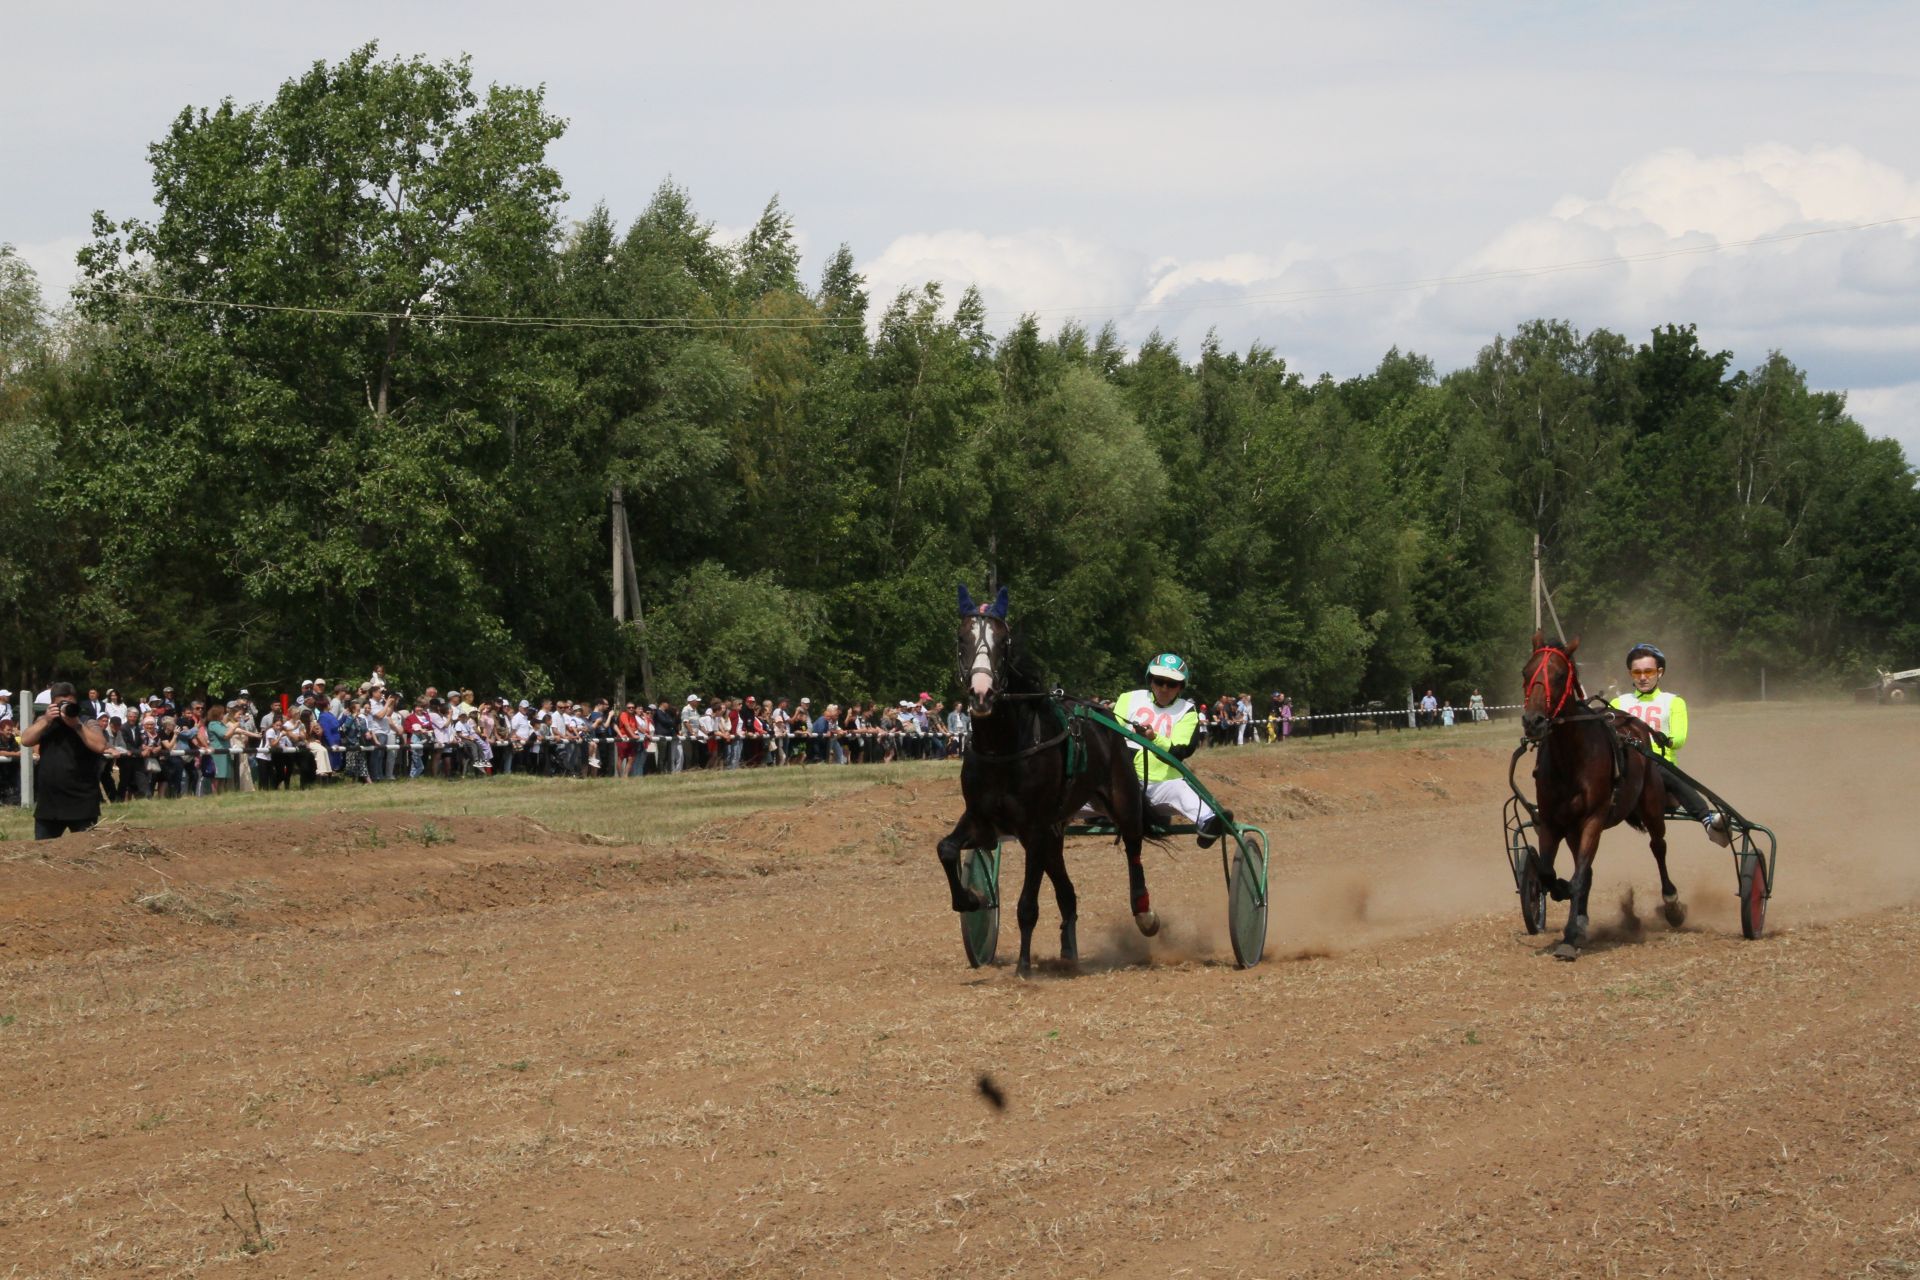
(614, 812)
(220, 905)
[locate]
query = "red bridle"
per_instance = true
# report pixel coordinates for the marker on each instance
(1543, 676)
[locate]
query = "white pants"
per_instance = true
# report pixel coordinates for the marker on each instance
(1174, 798)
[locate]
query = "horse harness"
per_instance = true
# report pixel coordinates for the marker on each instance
(1593, 710)
(1070, 722)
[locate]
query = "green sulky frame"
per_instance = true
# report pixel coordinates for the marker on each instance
(1243, 861)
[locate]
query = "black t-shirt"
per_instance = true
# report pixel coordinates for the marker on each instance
(66, 777)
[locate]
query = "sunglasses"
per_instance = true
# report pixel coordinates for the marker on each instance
(1162, 682)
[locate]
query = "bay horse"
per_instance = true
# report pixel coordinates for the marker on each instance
(1016, 780)
(1583, 783)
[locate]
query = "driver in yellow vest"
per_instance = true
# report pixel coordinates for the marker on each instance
(1666, 714)
(1162, 713)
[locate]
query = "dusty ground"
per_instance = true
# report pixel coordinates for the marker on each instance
(476, 1047)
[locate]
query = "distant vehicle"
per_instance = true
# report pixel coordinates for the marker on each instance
(1893, 686)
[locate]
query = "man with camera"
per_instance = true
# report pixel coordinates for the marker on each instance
(66, 777)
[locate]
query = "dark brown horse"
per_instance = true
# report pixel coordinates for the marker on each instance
(1016, 780)
(1584, 783)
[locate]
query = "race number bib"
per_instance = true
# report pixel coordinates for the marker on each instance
(1149, 718)
(1652, 714)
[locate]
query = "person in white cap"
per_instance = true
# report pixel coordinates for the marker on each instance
(802, 728)
(6, 703)
(693, 737)
(520, 730)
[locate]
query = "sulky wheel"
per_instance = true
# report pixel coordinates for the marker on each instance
(1247, 898)
(980, 930)
(1533, 892)
(1753, 895)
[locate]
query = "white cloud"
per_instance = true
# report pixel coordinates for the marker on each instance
(52, 261)
(1039, 270)
(1890, 411)
(1665, 244)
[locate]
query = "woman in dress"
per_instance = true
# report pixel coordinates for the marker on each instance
(213, 739)
(354, 732)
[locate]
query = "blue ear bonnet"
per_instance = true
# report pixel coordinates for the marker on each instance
(968, 608)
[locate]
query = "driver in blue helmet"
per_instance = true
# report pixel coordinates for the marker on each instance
(1666, 714)
(1164, 714)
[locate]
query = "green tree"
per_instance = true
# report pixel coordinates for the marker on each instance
(341, 479)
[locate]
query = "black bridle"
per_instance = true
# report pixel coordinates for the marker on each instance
(974, 647)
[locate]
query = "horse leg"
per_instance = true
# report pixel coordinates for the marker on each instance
(1568, 948)
(966, 834)
(1067, 900)
(1653, 804)
(1133, 835)
(1028, 911)
(1549, 850)
(1671, 908)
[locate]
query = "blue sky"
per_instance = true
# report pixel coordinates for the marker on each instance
(1157, 165)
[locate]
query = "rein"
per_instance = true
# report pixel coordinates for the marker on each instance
(1543, 677)
(1008, 757)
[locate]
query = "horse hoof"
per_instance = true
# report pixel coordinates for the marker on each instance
(1149, 922)
(1565, 951)
(1674, 910)
(1559, 891)
(1069, 946)
(966, 900)
(1023, 970)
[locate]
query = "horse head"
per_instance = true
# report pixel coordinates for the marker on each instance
(1552, 681)
(982, 651)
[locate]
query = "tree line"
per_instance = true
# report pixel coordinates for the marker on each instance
(382, 456)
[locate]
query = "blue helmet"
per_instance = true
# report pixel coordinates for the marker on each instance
(1647, 651)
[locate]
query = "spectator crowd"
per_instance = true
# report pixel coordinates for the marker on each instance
(369, 732)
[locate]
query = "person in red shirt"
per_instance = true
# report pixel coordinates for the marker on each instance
(626, 732)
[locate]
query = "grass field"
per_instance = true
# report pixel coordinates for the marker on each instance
(640, 811)
(657, 808)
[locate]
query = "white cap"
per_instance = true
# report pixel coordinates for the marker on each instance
(806, 702)
(693, 697)
(244, 693)
(6, 693)
(525, 703)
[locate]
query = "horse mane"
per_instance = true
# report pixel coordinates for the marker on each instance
(1021, 675)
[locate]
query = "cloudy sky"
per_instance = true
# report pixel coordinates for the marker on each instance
(1281, 173)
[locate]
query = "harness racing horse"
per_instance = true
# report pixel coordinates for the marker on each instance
(1586, 780)
(1019, 778)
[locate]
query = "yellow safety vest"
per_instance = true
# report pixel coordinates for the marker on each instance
(1169, 727)
(1666, 712)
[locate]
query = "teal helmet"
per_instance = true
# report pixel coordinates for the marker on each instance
(1170, 666)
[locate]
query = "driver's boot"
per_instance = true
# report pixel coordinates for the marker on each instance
(1212, 829)
(1716, 825)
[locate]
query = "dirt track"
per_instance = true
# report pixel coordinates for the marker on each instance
(511, 1053)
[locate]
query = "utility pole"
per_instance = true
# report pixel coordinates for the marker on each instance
(620, 582)
(1542, 597)
(24, 718)
(626, 597)
(1538, 589)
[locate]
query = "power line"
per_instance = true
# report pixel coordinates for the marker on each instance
(524, 322)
